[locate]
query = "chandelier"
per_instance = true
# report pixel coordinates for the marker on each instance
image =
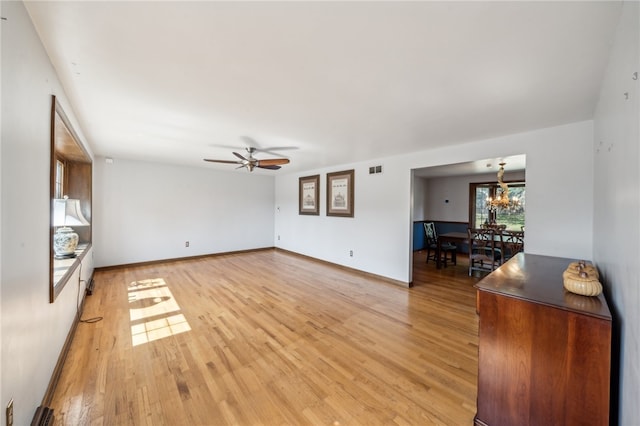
(502, 201)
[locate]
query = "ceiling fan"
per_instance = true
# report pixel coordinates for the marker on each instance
(250, 161)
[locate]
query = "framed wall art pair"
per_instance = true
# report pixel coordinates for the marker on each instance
(340, 194)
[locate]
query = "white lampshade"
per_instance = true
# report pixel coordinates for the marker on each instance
(67, 212)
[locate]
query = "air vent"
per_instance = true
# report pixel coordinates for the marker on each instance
(43, 417)
(375, 170)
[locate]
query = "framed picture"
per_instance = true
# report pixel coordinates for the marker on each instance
(340, 193)
(309, 195)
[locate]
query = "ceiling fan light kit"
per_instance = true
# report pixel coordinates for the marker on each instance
(250, 162)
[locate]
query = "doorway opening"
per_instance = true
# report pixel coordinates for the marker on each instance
(442, 194)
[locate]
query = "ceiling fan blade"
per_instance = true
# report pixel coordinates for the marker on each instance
(240, 156)
(226, 147)
(250, 161)
(252, 143)
(273, 150)
(222, 161)
(272, 162)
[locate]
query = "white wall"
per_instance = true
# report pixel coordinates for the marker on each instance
(455, 189)
(33, 330)
(380, 224)
(616, 249)
(420, 197)
(146, 211)
(558, 159)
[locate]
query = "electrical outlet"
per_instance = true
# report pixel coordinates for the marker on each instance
(186, 243)
(278, 237)
(350, 253)
(10, 413)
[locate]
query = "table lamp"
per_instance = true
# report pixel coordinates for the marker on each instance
(66, 213)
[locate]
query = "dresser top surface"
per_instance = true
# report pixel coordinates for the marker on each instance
(538, 279)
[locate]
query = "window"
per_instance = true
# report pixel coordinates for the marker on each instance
(479, 213)
(59, 183)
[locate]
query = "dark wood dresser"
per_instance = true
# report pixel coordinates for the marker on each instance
(544, 353)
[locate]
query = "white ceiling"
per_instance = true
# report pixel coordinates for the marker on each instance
(339, 81)
(513, 163)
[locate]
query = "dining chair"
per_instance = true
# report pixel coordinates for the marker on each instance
(513, 243)
(447, 250)
(485, 249)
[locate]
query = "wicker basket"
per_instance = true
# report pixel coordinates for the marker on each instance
(582, 283)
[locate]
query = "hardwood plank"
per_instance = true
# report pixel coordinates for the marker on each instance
(272, 338)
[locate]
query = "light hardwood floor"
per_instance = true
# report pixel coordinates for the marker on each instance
(272, 338)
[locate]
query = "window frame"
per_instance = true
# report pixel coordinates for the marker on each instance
(77, 176)
(494, 188)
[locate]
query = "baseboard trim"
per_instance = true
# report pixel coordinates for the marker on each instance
(179, 259)
(347, 268)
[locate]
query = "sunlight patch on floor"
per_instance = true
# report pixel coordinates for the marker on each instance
(154, 312)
